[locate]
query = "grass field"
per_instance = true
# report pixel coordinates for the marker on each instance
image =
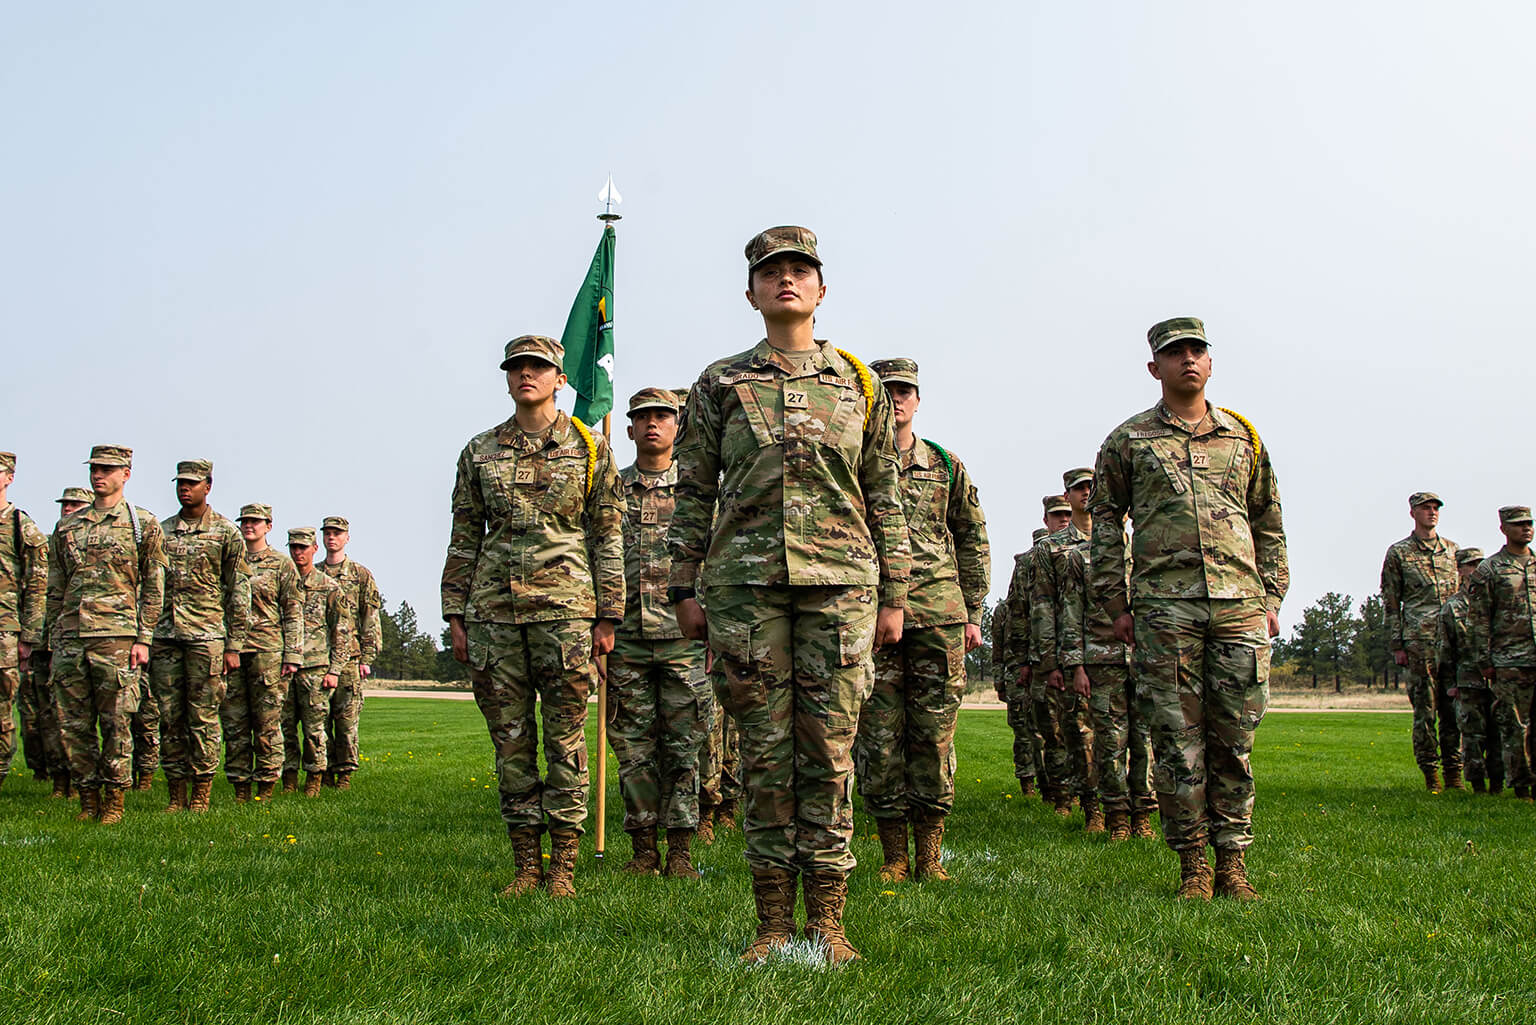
(1382, 904)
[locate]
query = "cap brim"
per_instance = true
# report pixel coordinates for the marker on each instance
(1525, 519)
(652, 405)
(1185, 337)
(899, 379)
(1085, 478)
(105, 462)
(507, 363)
(785, 249)
(193, 477)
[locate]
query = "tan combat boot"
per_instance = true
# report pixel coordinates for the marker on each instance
(680, 855)
(1194, 875)
(1232, 876)
(927, 841)
(61, 785)
(1141, 825)
(893, 849)
(1453, 778)
(145, 781)
(725, 816)
(178, 791)
(1063, 804)
(1118, 823)
(90, 805)
(773, 892)
(826, 893)
(1432, 779)
(343, 781)
(242, 792)
(1093, 815)
(529, 861)
(312, 783)
(645, 861)
(111, 805)
(290, 780)
(328, 778)
(706, 830)
(202, 792)
(264, 789)
(563, 845)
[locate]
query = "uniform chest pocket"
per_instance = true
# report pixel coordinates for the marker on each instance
(563, 486)
(755, 398)
(1156, 463)
(497, 473)
(845, 420)
(925, 495)
(264, 587)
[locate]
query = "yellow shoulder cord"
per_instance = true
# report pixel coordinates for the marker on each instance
(586, 437)
(866, 383)
(1253, 434)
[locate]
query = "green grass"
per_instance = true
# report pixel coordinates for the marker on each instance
(1382, 904)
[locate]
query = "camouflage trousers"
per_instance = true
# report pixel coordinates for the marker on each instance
(793, 665)
(659, 707)
(342, 716)
(144, 732)
(1514, 691)
(1021, 720)
(305, 701)
(904, 751)
(1050, 741)
(719, 759)
(10, 686)
(188, 682)
(97, 693)
(511, 666)
(41, 737)
(1078, 771)
(1482, 752)
(1122, 745)
(1431, 705)
(252, 718)
(1202, 672)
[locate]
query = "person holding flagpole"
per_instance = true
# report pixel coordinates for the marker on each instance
(804, 572)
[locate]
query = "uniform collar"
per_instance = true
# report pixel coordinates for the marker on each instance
(1438, 545)
(513, 436)
(1215, 421)
(95, 515)
(181, 525)
(919, 456)
(765, 355)
(632, 475)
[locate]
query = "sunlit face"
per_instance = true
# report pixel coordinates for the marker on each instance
(253, 529)
(1055, 521)
(532, 382)
(1077, 495)
(904, 402)
(107, 481)
(1426, 515)
(193, 493)
(1183, 367)
(303, 555)
(335, 539)
(786, 286)
(653, 431)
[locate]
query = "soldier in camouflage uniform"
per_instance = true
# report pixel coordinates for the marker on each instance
(1501, 609)
(533, 587)
(793, 439)
(202, 629)
(106, 585)
(1418, 576)
(252, 713)
(1044, 710)
(326, 648)
(23, 596)
(1456, 672)
(363, 598)
(1099, 664)
(659, 704)
(719, 774)
(1209, 573)
(904, 752)
(1010, 657)
(39, 706)
(1069, 703)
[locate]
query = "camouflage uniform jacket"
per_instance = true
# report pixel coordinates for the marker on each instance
(277, 611)
(947, 531)
(1457, 662)
(101, 582)
(530, 542)
(1000, 623)
(1021, 588)
(1206, 520)
(804, 468)
(208, 582)
(1050, 556)
(328, 619)
(365, 602)
(1417, 579)
(1500, 598)
(1087, 634)
(23, 576)
(649, 500)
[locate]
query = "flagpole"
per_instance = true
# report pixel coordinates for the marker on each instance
(607, 217)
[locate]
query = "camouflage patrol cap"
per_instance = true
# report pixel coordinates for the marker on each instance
(335, 523)
(194, 469)
(896, 371)
(1419, 498)
(1072, 478)
(1469, 556)
(1038, 534)
(1515, 514)
(786, 238)
(1166, 332)
(538, 346)
(110, 455)
(1056, 503)
(302, 536)
(255, 511)
(652, 398)
(75, 495)
(8, 462)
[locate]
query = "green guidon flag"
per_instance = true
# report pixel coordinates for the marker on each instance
(588, 336)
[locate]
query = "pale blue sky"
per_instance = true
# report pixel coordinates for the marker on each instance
(293, 239)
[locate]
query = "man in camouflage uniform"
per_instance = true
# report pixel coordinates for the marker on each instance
(1208, 576)
(793, 439)
(1501, 608)
(202, 629)
(23, 594)
(533, 587)
(1456, 671)
(252, 713)
(1050, 746)
(659, 704)
(719, 773)
(347, 699)
(326, 647)
(1010, 658)
(1099, 663)
(905, 747)
(1069, 704)
(1418, 576)
(106, 584)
